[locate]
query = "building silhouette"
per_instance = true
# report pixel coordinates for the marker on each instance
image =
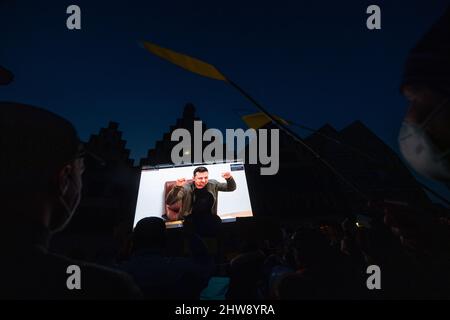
(161, 153)
(365, 168)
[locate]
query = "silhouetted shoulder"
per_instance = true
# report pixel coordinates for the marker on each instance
(97, 282)
(34, 273)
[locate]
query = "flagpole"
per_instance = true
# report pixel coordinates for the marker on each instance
(293, 135)
(207, 70)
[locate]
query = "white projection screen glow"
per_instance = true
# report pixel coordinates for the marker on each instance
(153, 191)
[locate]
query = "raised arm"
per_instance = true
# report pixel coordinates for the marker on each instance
(177, 192)
(228, 186)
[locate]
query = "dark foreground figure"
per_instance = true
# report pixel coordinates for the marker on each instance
(41, 168)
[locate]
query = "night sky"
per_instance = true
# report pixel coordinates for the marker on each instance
(311, 62)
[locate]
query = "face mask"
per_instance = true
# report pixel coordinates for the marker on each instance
(68, 204)
(421, 153)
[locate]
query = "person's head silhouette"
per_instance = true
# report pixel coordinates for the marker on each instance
(41, 167)
(41, 164)
(149, 233)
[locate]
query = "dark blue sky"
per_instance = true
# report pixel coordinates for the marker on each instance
(312, 62)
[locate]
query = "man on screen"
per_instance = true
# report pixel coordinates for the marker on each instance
(199, 198)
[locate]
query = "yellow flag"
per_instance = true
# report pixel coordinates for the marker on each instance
(185, 62)
(258, 120)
